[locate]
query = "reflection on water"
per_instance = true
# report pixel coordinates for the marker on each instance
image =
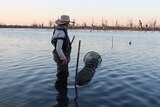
(128, 76)
(76, 96)
(62, 97)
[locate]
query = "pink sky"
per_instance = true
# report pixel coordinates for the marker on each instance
(26, 12)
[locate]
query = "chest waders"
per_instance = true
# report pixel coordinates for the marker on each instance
(62, 70)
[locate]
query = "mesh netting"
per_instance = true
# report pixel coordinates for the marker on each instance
(91, 60)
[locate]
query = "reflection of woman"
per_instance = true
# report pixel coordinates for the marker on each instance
(62, 97)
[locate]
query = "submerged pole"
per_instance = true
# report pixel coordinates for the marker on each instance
(112, 42)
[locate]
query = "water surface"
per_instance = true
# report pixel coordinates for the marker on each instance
(128, 76)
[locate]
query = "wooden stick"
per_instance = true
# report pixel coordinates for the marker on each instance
(76, 90)
(77, 60)
(72, 40)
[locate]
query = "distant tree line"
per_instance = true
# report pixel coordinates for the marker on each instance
(151, 26)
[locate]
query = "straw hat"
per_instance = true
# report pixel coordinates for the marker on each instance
(64, 19)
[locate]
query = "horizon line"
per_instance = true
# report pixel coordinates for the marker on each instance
(92, 22)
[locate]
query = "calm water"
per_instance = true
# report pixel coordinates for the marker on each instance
(129, 75)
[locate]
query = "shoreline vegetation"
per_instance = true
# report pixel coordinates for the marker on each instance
(133, 27)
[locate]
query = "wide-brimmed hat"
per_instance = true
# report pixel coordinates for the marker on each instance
(64, 19)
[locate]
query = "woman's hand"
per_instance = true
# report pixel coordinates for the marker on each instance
(64, 62)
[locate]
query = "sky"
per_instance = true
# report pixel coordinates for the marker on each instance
(27, 12)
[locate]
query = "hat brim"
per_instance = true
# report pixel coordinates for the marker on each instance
(59, 22)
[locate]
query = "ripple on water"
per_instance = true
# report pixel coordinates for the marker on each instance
(128, 76)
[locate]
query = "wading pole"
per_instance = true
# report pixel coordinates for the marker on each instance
(77, 60)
